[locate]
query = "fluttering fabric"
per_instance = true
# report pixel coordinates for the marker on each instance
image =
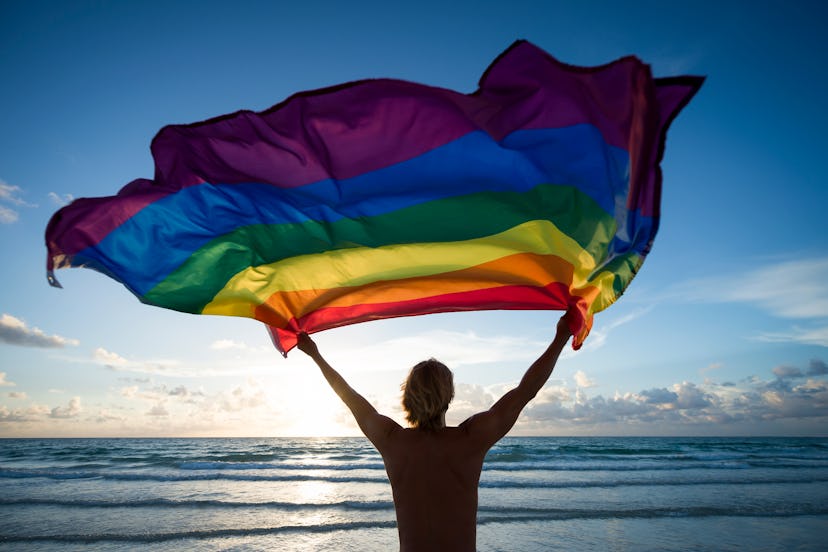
(385, 198)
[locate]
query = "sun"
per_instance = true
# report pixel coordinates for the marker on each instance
(310, 408)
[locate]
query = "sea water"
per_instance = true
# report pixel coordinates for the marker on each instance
(572, 494)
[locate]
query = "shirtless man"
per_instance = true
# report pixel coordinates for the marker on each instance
(434, 470)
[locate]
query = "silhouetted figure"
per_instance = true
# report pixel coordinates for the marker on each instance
(434, 470)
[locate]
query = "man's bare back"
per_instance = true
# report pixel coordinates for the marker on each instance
(434, 473)
(434, 477)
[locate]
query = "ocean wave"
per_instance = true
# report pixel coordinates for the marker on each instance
(514, 515)
(388, 505)
(375, 472)
(242, 477)
(529, 482)
(221, 465)
(47, 473)
(149, 538)
(601, 484)
(207, 476)
(487, 516)
(587, 465)
(161, 503)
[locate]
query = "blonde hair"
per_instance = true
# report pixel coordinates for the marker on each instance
(427, 392)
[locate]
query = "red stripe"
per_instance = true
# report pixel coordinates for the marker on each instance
(554, 296)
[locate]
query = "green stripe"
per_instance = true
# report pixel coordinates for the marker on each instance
(194, 284)
(622, 269)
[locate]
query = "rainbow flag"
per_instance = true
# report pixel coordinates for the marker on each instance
(384, 198)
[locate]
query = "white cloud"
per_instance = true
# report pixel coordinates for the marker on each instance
(109, 359)
(33, 413)
(661, 396)
(256, 354)
(160, 393)
(71, 410)
(243, 397)
(18, 395)
(14, 331)
(8, 216)
(582, 380)
(4, 382)
(10, 194)
(468, 400)
(795, 289)
(105, 416)
(690, 396)
(787, 372)
(184, 403)
(179, 391)
(180, 394)
(60, 200)
(223, 344)
(792, 394)
(792, 289)
(711, 367)
(116, 362)
(158, 410)
(789, 289)
(813, 336)
(817, 367)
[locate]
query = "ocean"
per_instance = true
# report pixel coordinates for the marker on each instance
(536, 494)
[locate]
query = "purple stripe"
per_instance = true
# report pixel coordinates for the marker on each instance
(86, 221)
(672, 95)
(359, 127)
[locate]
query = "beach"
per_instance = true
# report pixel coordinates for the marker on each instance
(536, 493)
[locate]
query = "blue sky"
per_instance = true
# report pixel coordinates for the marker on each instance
(724, 331)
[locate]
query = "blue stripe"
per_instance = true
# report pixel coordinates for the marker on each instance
(160, 237)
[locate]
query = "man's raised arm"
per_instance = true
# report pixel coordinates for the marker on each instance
(374, 425)
(493, 424)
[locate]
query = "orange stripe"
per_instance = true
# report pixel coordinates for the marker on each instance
(528, 269)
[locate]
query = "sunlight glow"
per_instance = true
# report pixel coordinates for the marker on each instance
(312, 408)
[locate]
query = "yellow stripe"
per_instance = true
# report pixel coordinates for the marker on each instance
(605, 281)
(605, 296)
(526, 269)
(360, 266)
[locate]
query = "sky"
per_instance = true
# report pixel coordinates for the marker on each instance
(724, 331)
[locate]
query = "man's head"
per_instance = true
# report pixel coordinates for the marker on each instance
(427, 392)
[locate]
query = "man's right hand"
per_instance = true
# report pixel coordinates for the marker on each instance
(563, 326)
(306, 344)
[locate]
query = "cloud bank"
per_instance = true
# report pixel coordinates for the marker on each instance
(789, 397)
(14, 331)
(792, 394)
